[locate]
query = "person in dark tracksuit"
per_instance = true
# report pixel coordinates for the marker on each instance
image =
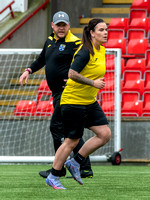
(56, 56)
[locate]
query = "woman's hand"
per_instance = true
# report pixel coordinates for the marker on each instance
(99, 83)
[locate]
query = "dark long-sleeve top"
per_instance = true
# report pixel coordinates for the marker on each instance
(56, 56)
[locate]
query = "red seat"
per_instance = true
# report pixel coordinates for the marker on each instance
(136, 34)
(45, 108)
(136, 64)
(137, 13)
(116, 34)
(107, 102)
(131, 104)
(137, 46)
(110, 63)
(110, 81)
(137, 42)
(146, 104)
(140, 4)
(147, 56)
(140, 23)
(43, 86)
(116, 39)
(133, 81)
(117, 43)
(25, 108)
(147, 81)
(119, 23)
(43, 89)
(121, 85)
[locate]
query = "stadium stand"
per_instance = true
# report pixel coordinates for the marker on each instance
(132, 35)
(42, 106)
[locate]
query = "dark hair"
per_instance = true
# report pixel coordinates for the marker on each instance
(86, 38)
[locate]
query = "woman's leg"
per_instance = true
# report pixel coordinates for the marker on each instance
(103, 135)
(63, 152)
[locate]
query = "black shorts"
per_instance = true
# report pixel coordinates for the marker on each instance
(77, 117)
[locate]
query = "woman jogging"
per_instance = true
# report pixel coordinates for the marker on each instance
(79, 106)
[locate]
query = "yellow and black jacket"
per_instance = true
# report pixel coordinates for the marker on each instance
(57, 56)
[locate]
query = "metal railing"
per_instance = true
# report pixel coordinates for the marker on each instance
(8, 36)
(8, 6)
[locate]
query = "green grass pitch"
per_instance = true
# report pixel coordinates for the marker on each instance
(22, 182)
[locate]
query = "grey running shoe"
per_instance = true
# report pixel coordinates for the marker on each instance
(74, 170)
(55, 183)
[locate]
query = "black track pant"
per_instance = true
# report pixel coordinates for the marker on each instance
(56, 129)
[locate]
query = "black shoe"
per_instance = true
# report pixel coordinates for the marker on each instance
(45, 174)
(86, 173)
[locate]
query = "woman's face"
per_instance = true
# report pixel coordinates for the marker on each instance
(100, 33)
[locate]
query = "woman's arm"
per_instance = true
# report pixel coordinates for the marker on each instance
(74, 75)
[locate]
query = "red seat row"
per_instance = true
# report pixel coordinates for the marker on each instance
(131, 104)
(136, 41)
(138, 64)
(43, 106)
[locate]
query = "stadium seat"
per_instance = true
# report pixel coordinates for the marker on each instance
(147, 57)
(110, 81)
(119, 23)
(42, 90)
(136, 34)
(137, 46)
(110, 63)
(131, 104)
(117, 43)
(137, 13)
(45, 108)
(136, 64)
(116, 34)
(116, 39)
(141, 4)
(43, 86)
(147, 81)
(137, 42)
(140, 23)
(121, 85)
(146, 104)
(107, 102)
(133, 81)
(25, 108)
